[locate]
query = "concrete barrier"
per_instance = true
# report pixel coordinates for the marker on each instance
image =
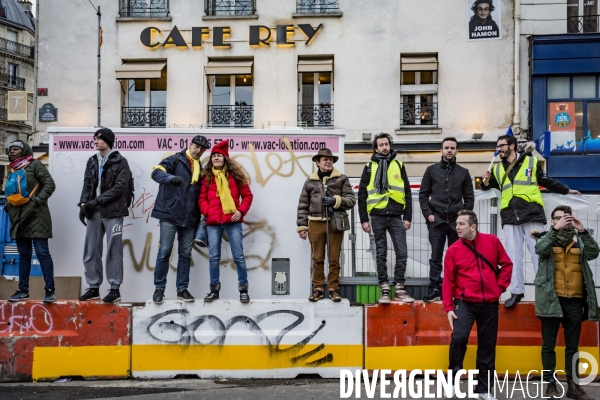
(46, 341)
(417, 336)
(263, 339)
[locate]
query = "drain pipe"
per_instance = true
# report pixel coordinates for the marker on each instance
(517, 112)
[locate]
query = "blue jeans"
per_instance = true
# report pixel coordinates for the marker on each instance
(185, 235)
(215, 235)
(43, 254)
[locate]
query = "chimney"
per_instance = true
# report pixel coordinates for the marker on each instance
(26, 4)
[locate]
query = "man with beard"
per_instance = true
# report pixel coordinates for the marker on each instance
(384, 196)
(446, 189)
(481, 24)
(564, 293)
(521, 207)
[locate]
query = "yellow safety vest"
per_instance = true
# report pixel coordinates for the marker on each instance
(524, 186)
(395, 192)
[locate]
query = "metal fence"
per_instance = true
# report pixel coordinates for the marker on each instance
(358, 258)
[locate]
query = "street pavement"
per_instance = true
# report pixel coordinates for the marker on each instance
(225, 389)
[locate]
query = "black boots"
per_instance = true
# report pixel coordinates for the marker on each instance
(243, 288)
(214, 293)
(514, 299)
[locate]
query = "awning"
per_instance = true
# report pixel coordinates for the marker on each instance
(315, 66)
(149, 70)
(419, 64)
(229, 68)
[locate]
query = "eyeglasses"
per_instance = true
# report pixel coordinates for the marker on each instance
(557, 218)
(501, 145)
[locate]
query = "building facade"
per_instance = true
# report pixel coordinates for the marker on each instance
(366, 68)
(17, 45)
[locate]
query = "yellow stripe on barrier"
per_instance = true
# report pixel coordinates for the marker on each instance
(86, 361)
(508, 358)
(242, 357)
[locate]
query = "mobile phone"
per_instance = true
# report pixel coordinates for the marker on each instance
(568, 211)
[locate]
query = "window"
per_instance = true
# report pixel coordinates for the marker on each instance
(573, 111)
(230, 85)
(13, 76)
(11, 37)
(315, 94)
(144, 8)
(418, 89)
(582, 16)
(144, 89)
(317, 6)
(236, 8)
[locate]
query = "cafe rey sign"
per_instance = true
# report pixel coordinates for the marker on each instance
(259, 35)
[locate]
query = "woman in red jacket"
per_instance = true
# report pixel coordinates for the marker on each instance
(225, 198)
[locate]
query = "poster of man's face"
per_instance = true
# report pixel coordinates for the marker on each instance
(484, 19)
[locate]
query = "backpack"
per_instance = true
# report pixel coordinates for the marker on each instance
(16, 189)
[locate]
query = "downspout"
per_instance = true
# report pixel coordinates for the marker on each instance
(517, 114)
(35, 75)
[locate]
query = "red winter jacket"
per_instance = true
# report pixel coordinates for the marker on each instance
(210, 204)
(469, 278)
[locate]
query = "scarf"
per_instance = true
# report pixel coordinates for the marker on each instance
(223, 191)
(381, 181)
(565, 236)
(21, 162)
(195, 167)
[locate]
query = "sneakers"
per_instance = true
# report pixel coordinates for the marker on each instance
(552, 391)
(485, 396)
(214, 293)
(90, 294)
(158, 296)
(18, 296)
(244, 297)
(433, 295)
(576, 392)
(402, 295)
(49, 297)
(185, 296)
(316, 295)
(335, 296)
(385, 293)
(113, 296)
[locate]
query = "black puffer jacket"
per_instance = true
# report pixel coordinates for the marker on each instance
(116, 176)
(176, 204)
(520, 211)
(446, 189)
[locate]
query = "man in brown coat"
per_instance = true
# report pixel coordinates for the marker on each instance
(325, 191)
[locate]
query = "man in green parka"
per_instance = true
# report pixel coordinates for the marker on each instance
(30, 223)
(564, 293)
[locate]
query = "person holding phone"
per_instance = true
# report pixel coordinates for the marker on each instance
(564, 292)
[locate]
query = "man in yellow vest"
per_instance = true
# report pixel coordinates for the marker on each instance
(521, 207)
(384, 196)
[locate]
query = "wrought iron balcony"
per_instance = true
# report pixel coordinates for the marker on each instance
(16, 48)
(316, 114)
(317, 6)
(144, 8)
(239, 116)
(229, 7)
(419, 114)
(144, 116)
(586, 24)
(12, 81)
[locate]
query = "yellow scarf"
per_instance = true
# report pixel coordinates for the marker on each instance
(223, 191)
(195, 168)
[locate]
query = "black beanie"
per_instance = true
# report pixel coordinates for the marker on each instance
(106, 135)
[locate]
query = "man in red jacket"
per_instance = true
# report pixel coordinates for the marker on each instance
(473, 283)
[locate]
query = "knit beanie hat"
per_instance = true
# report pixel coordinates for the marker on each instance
(221, 148)
(106, 135)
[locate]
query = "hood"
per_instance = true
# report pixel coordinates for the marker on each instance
(27, 151)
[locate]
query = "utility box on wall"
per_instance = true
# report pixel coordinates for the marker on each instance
(280, 276)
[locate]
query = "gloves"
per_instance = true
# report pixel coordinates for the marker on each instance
(82, 215)
(176, 181)
(90, 207)
(328, 201)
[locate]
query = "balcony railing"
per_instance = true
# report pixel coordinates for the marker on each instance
(16, 48)
(144, 116)
(239, 116)
(316, 114)
(144, 8)
(317, 6)
(239, 8)
(586, 24)
(419, 114)
(12, 81)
